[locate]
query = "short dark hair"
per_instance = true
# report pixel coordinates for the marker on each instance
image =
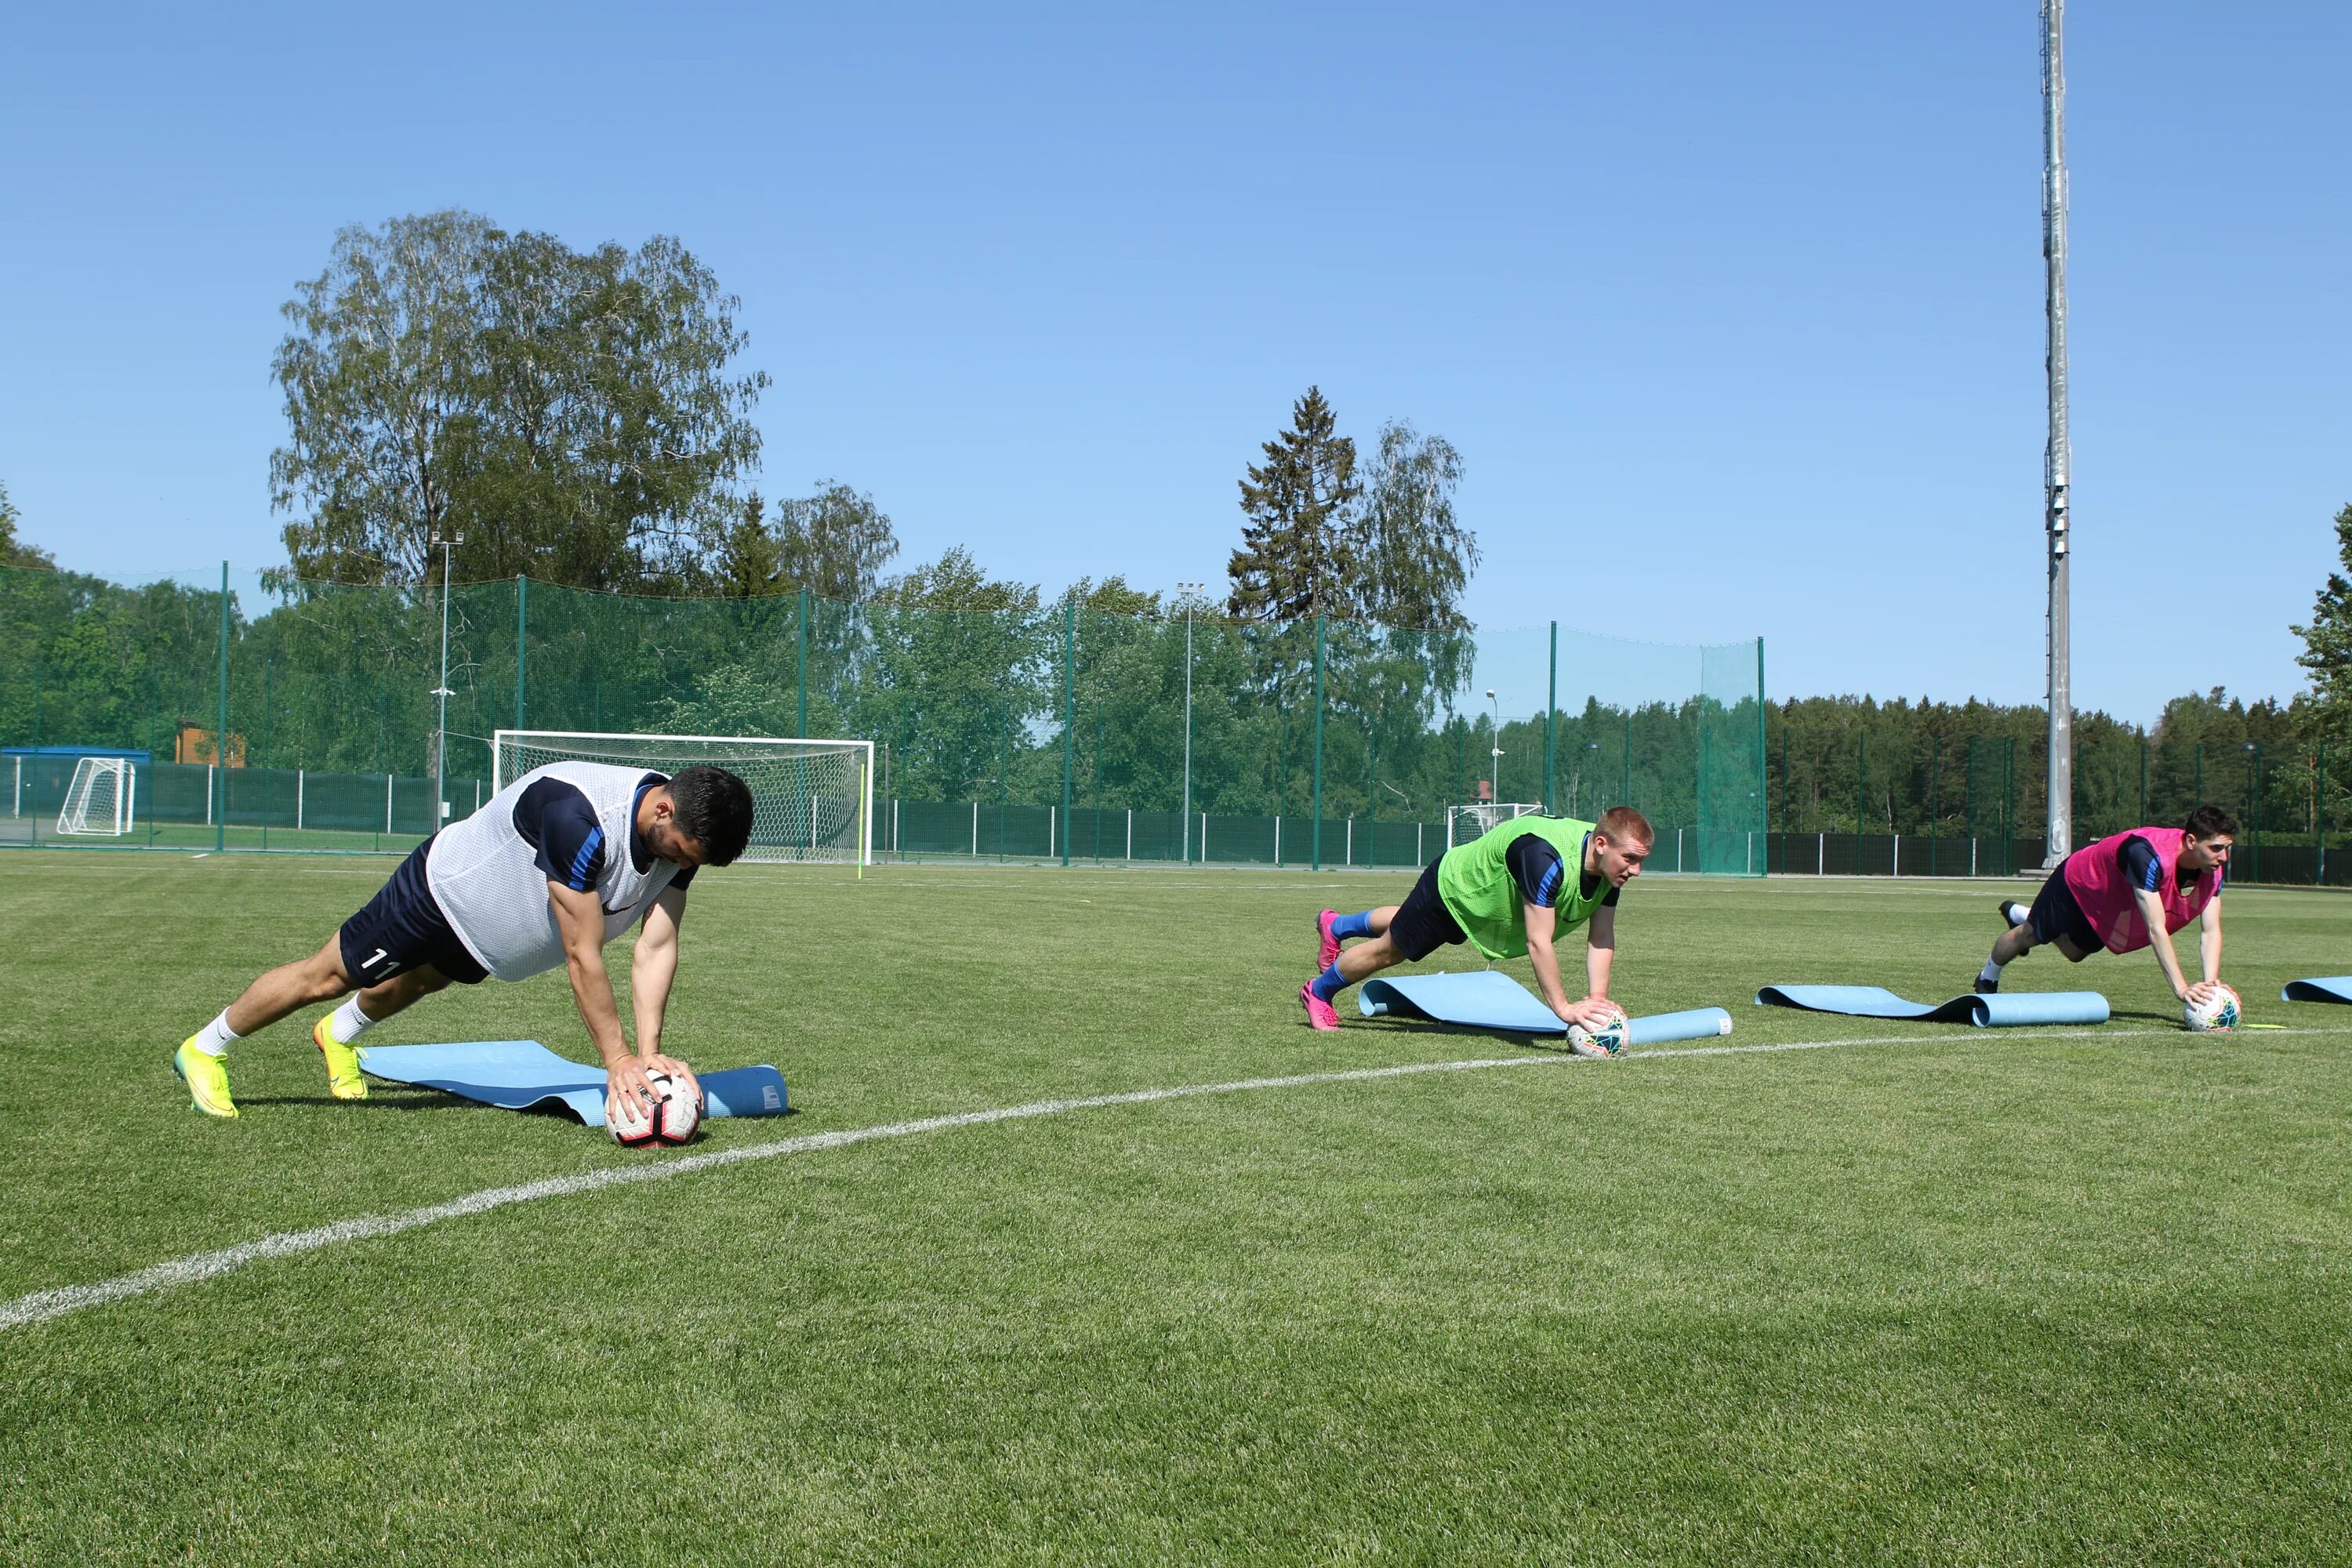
(714, 809)
(2210, 822)
(1623, 825)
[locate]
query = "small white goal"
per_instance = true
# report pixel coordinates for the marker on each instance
(101, 800)
(810, 800)
(1464, 823)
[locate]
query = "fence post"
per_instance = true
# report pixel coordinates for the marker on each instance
(522, 616)
(1551, 709)
(1764, 773)
(1278, 839)
(1316, 836)
(975, 830)
(1821, 855)
(267, 758)
(1898, 869)
(298, 800)
(220, 736)
(1935, 798)
(1628, 798)
(1069, 708)
(2319, 820)
(387, 805)
(1205, 838)
(1861, 788)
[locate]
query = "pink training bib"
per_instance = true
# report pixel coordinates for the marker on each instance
(2095, 875)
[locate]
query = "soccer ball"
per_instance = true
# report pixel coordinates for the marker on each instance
(672, 1122)
(2219, 1011)
(1606, 1038)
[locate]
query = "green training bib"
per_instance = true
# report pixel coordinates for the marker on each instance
(1475, 882)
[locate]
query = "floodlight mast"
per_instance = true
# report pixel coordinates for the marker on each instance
(2058, 456)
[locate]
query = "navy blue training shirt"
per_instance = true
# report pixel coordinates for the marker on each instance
(1535, 867)
(555, 819)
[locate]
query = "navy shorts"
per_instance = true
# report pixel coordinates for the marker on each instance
(402, 928)
(2055, 913)
(1423, 923)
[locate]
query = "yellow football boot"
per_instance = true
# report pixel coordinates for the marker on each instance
(343, 1079)
(207, 1077)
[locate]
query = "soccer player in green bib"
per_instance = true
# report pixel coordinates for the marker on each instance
(1510, 892)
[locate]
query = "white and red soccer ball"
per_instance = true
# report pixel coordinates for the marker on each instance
(676, 1112)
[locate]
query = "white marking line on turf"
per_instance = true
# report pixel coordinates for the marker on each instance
(43, 1305)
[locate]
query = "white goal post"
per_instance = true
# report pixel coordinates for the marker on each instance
(1464, 823)
(810, 800)
(101, 800)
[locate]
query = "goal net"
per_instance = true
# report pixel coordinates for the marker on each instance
(810, 800)
(100, 801)
(1464, 823)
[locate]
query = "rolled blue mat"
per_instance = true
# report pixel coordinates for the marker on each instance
(1699, 1024)
(2329, 988)
(1993, 1011)
(518, 1075)
(1489, 999)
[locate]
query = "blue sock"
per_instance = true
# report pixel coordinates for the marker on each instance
(1346, 926)
(1329, 983)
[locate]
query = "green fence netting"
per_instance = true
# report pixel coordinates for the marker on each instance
(1060, 732)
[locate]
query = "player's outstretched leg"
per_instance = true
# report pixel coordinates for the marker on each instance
(1332, 929)
(202, 1060)
(2010, 945)
(336, 1034)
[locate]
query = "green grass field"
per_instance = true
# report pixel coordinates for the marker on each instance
(1939, 1296)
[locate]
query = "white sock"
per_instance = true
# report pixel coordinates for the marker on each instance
(2014, 913)
(1990, 972)
(348, 1022)
(216, 1037)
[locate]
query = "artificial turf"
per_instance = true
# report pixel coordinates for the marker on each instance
(1962, 1296)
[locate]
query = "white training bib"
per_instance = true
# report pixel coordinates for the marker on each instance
(485, 874)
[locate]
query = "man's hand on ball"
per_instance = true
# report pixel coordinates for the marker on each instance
(2196, 995)
(1592, 1010)
(626, 1081)
(678, 1071)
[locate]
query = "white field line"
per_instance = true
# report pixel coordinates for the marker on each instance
(41, 1306)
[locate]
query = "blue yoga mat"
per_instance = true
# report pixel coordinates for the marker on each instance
(2331, 988)
(1489, 999)
(517, 1075)
(1995, 1011)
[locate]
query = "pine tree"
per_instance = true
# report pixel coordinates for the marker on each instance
(1294, 560)
(2328, 640)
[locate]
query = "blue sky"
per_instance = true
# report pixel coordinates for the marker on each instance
(1734, 312)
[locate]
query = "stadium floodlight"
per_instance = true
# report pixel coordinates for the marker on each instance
(2058, 456)
(810, 800)
(101, 799)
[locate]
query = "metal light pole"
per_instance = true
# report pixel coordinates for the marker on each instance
(2057, 460)
(441, 738)
(1494, 781)
(1191, 590)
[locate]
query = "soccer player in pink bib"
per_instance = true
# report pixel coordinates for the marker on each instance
(2115, 893)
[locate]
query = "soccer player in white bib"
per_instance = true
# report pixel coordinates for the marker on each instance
(556, 865)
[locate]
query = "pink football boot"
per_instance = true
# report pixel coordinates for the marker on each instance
(1319, 1013)
(1326, 952)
